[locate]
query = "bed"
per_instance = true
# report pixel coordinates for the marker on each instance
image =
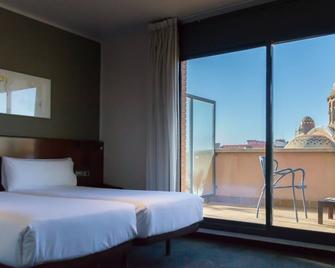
(157, 212)
(160, 215)
(35, 230)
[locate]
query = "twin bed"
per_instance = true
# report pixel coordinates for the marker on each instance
(45, 217)
(35, 230)
(156, 212)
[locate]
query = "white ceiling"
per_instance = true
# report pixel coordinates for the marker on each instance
(100, 19)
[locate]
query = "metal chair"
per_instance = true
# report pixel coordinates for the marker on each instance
(278, 175)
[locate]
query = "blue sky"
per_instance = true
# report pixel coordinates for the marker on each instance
(304, 72)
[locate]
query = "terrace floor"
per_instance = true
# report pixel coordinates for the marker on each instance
(282, 216)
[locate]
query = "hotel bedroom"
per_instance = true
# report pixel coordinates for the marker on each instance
(167, 133)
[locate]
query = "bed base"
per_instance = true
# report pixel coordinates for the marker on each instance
(114, 257)
(167, 237)
(117, 256)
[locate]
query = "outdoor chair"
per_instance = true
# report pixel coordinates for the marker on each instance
(278, 176)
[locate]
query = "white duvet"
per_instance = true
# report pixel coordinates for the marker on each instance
(36, 229)
(157, 212)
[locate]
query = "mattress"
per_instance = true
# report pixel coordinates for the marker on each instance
(157, 212)
(38, 229)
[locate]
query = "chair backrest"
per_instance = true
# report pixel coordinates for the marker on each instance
(262, 164)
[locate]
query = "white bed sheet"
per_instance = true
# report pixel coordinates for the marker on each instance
(157, 212)
(38, 229)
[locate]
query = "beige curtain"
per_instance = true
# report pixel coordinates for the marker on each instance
(163, 121)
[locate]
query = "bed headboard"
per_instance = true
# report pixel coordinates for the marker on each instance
(86, 155)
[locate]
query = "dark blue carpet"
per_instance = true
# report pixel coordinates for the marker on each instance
(200, 252)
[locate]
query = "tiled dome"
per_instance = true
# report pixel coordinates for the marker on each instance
(309, 136)
(311, 141)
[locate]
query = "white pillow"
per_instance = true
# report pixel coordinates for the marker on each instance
(23, 174)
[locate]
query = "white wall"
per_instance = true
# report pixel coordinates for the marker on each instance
(123, 108)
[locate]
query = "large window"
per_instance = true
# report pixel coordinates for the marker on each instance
(304, 119)
(249, 108)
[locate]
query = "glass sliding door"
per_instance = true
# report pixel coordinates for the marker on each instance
(304, 133)
(200, 145)
(223, 133)
(245, 109)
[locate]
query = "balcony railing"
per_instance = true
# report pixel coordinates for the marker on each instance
(239, 178)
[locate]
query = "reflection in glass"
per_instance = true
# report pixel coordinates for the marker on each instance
(23, 101)
(188, 148)
(203, 147)
(3, 102)
(200, 131)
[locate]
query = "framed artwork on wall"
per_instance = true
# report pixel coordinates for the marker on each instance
(25, 95)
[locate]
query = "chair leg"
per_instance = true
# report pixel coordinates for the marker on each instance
(304, 200)
(294, 203)
(259, 201)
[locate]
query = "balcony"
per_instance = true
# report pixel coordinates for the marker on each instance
(231, 192)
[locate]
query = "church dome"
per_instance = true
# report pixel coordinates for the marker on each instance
(309, 136)
(311, 141)
(307, 124)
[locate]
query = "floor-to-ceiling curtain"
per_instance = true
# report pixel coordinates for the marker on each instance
(163, 121)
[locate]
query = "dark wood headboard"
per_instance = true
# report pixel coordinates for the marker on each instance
(86, 155)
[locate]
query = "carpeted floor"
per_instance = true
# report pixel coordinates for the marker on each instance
(200, 252)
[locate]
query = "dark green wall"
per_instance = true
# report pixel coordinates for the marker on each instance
(70, 61)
